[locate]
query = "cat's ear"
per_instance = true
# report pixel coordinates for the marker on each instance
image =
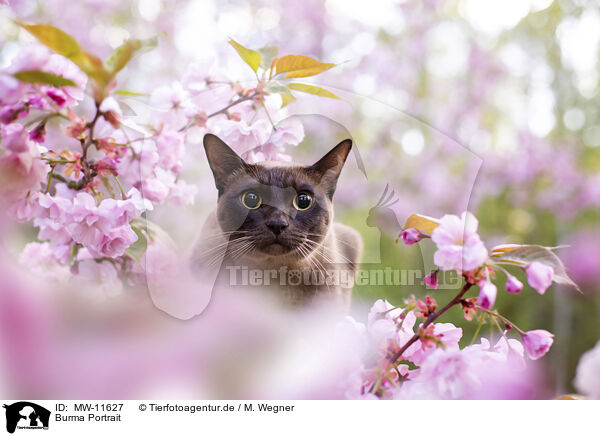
(329, 167)
(223, 161)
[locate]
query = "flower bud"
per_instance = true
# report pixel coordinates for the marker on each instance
(431, 279)
(539, 276)
(487, 294)
(38, 134)
(113, 118)
(410, 236)
(537, 343)
(513, 285)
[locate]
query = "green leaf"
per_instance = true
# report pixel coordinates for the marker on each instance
(131, 93)
(422, 223)
(251, 57)
(139, 247)
(65, 45)
(300, 66)
(287, 99)
(59, 41)
(93, 67)
(73, 253)
(36, 76)
(123, 54)
(523, 255)
(276, 88)
(286, 95)
(314, 90)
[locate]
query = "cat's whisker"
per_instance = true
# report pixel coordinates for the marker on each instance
(323, 236)
(317, 264)
(223, 244)
(243, 250)
(214, 255)
(328, 250)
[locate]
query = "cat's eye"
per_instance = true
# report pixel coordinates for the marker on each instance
(251, 200)
(303, 201)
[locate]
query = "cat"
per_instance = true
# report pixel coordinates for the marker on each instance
(277, 218)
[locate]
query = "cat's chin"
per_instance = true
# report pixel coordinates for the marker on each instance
(277, 249)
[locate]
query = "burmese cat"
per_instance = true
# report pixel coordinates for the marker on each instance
(279, 216)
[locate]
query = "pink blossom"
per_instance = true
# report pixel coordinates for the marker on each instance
(22, 210)
(21, 173)
(459, 245)
(513, 284)
(410, 236)
(288, 132)
(240, 135)
(36, 57)
(9, 88)
(539, 276)
(13, 112)
(487, 294)
(103, 229)
(182, 194)
(41, 259)
(170, 148)
(445, 374)
(170, 97)
(382, 330)
(381, 309)
(140, 203)
(537, 343)
(57, 96)
(115, 242)
(61, 66)
(53, 231)
(154, 190)
(447, 333)
(380, 322)
(587, 379)
(134, 168)
(14, 138)
(431, 279)
(38, 134)
(477, 371)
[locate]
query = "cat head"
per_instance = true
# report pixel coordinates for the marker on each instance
(274, 208)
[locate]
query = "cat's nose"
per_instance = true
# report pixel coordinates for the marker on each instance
(277, 225)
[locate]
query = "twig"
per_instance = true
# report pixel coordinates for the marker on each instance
(70, 183)
(87, 172)
(431, 318)
(503, 319)
(221, 111)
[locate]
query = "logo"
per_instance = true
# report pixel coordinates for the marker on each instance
(26, 415)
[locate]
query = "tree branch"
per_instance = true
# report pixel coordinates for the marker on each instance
(431, 318)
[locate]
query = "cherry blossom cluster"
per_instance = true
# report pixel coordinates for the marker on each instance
(414, 356)
(84, 174)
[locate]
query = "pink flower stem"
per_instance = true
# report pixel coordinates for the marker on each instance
(431, 318)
